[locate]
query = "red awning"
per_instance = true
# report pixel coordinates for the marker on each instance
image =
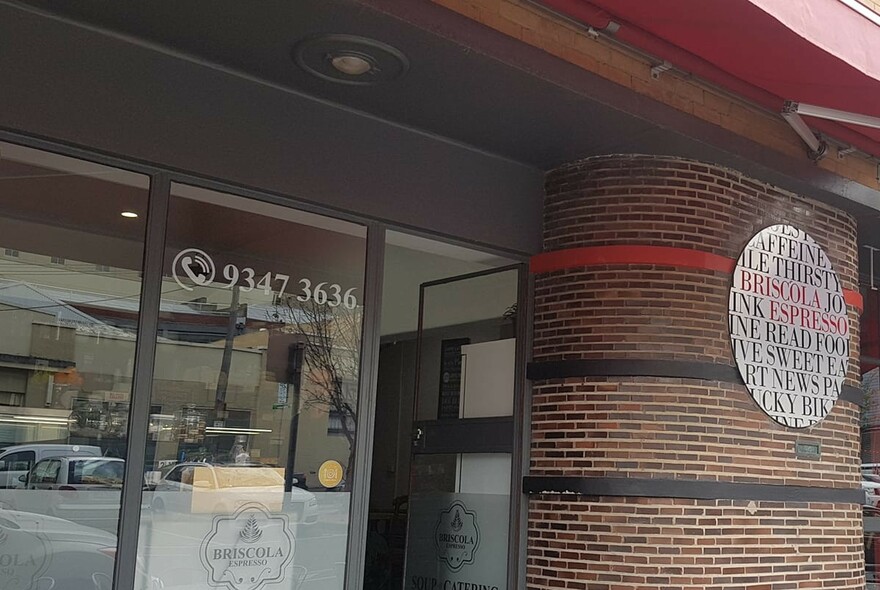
(820, 52)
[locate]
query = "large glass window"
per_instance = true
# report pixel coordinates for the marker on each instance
(254, 402)
(71, 249)
(253, 408)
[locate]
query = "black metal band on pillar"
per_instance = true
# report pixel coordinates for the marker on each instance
(675, 369)
(541, 370)
(851, 394)
(687, 489)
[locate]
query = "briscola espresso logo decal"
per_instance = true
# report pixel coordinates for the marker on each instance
(457, 536)
(248, 549)
(788, 326)
(24, 558)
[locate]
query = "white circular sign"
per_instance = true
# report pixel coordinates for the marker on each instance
(789, 329)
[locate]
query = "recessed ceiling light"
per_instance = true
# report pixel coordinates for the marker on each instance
(353, 65)
(349, 59)
(129, 214)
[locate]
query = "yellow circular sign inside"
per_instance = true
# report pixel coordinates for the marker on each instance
(330, 474)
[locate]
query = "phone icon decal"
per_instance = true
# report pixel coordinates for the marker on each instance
(193, 268)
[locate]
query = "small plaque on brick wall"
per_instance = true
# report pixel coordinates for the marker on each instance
(807, 450)
(789, 329)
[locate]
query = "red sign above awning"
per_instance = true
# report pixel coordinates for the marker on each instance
(820, 52)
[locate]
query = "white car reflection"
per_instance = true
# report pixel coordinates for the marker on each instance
(85, 490)
(47, 553)
(871, 487)
(208, 488)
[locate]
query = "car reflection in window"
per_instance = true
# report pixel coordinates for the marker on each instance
(56, 554)
(65, 526)
(87, 490)
(223, 488)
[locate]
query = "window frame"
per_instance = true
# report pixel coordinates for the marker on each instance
(6, 462)
(160, 179)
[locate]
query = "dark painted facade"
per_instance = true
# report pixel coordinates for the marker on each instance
(630, 452)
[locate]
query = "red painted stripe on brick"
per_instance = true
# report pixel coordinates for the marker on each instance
(600, 255)
(659, 255)
(854, 298)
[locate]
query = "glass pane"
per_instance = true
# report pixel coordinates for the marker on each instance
(466, 366)
(254, 407)
(458, 515)
(70, 283)
(411, 494)
(456, 539)
(458, 505)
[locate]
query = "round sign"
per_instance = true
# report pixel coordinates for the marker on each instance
(330, 474)
(788, 324)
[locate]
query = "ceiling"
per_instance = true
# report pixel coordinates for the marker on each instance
(466, 84)
(449, 90)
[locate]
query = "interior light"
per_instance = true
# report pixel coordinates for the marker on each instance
(36, 420)
(129, 214)
(349, 59)
(231, 430)
(353, 65)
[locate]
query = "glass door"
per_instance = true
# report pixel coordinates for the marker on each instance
(462, 441)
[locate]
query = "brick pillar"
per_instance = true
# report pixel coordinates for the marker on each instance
(651, 464)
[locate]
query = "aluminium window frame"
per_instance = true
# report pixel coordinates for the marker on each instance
(156, 225)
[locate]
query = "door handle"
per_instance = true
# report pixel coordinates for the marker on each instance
(417, 435)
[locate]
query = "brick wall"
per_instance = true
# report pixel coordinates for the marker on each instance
(604, 543)
(664, 312)
(677, 428)
(677, 202)
(665, 428)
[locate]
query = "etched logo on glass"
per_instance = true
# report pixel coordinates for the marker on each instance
(194, 265)
(24, 558)
(248, 549)
(457, 536)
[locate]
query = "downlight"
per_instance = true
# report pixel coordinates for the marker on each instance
(351, 64)
(349, 59)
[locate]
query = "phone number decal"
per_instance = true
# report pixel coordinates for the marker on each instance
(195, 268)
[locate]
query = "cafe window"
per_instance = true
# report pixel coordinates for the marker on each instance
(67, 344)
(254, 400)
